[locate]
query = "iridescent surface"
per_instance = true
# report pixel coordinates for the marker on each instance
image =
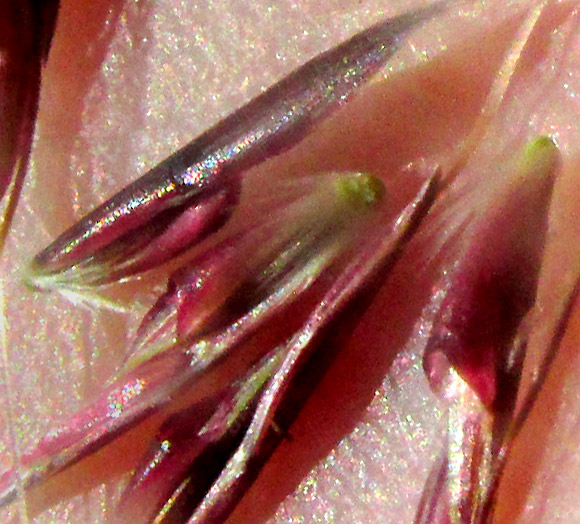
(169, 72)
(217, 161)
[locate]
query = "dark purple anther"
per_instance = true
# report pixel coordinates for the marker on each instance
(146, 387)
(300, 242)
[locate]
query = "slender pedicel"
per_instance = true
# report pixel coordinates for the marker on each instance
(301, 242)
(102, 243)
(201, 476)
(479, 334)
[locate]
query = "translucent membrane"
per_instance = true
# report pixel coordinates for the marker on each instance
(267, 264)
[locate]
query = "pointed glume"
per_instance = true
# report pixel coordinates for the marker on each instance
(191, 178)
(492, 285)
(259, 440)
(267, 126)
(192, 447)
(476, 347)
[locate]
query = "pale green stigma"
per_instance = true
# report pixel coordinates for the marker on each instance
(360, 190)
(539, 155)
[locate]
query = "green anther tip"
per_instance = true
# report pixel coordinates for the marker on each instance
(360, 190)
(540, 155)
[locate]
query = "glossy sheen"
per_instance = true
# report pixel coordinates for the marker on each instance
(267, 126)
(266, 263)
(373, 465)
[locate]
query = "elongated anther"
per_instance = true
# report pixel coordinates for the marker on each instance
(147, 387)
